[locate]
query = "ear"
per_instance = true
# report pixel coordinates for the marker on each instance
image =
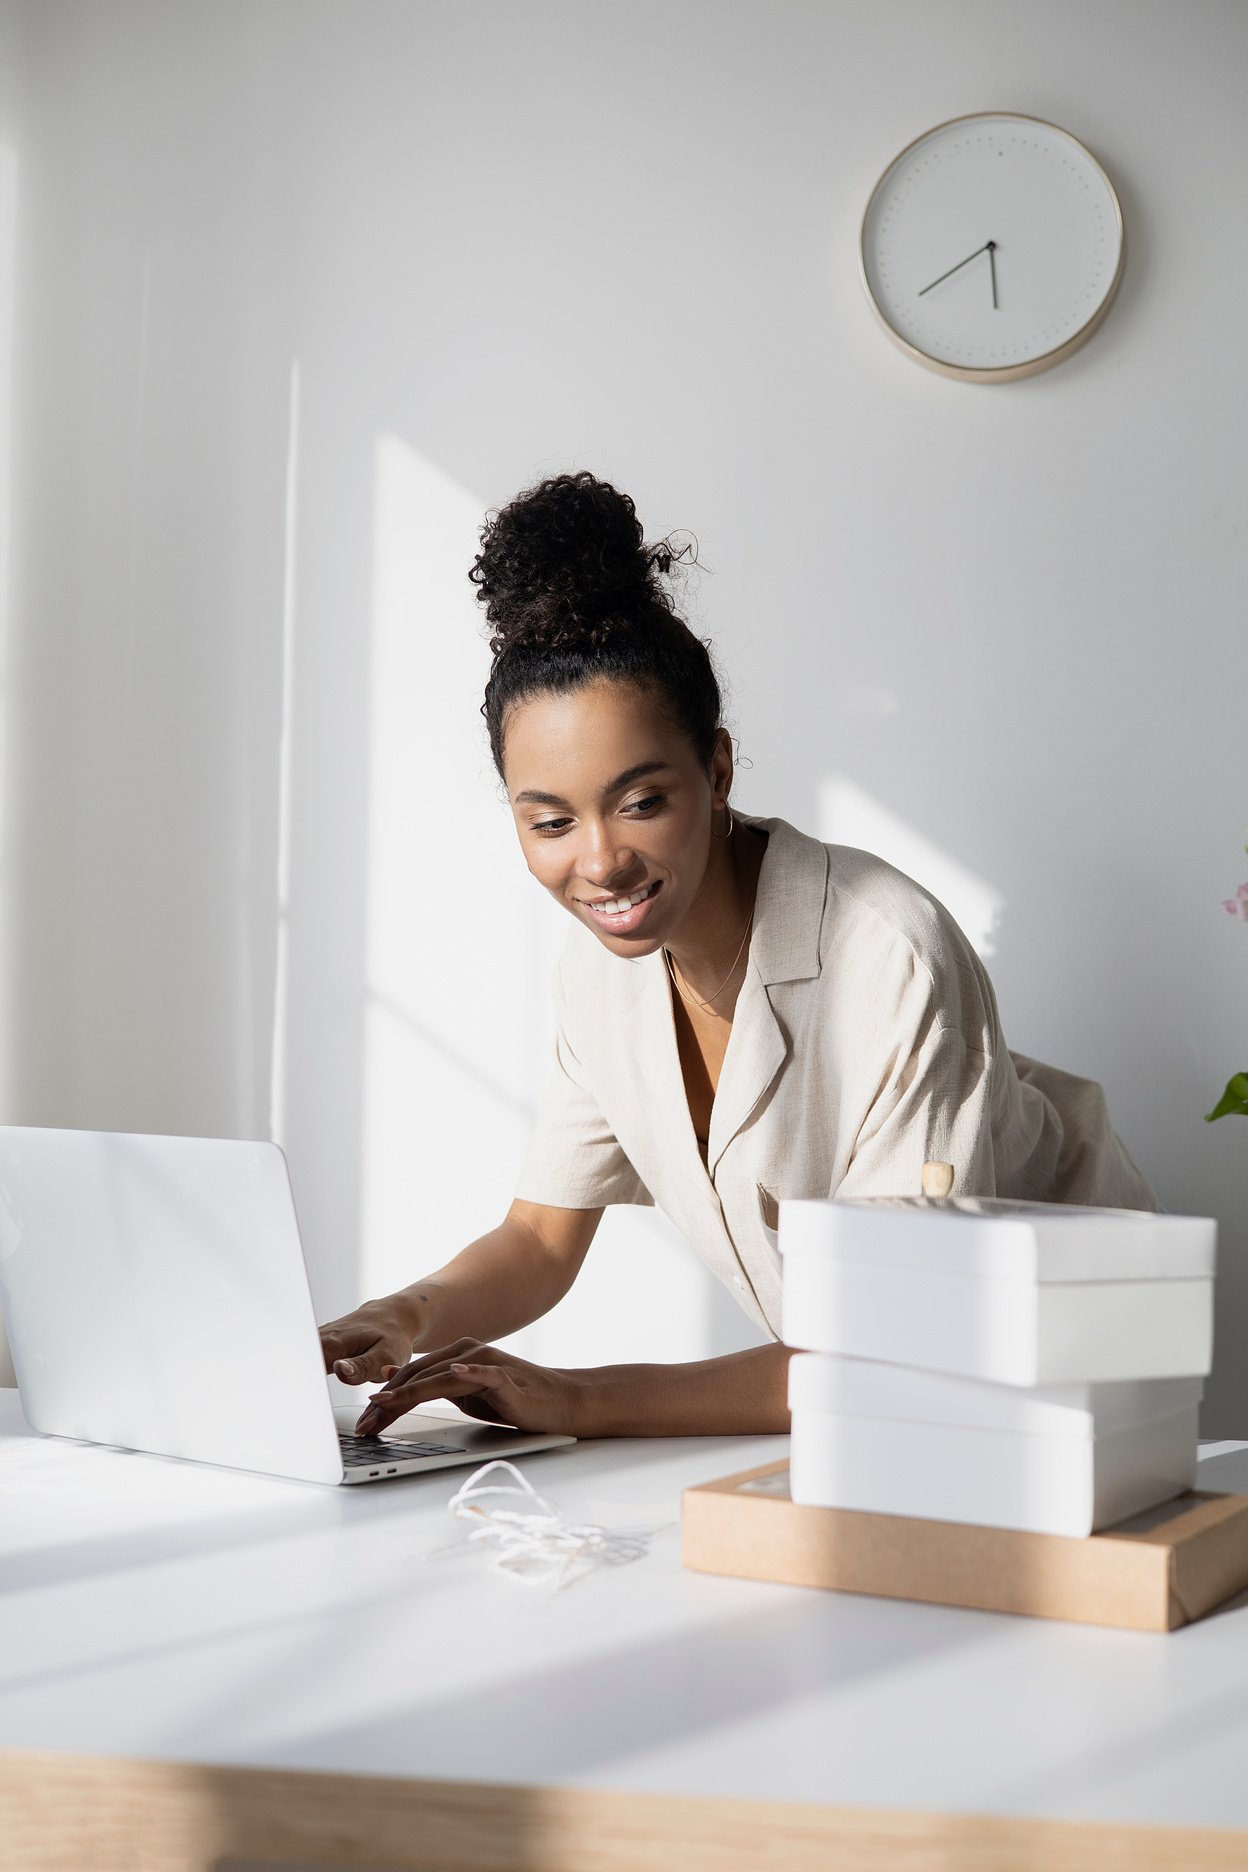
(721, 769)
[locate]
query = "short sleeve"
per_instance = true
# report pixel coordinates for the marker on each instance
(934, 1104)
(574, 1159)
(950, 1092)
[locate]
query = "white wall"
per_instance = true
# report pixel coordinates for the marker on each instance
(303, 288)
(9, 85)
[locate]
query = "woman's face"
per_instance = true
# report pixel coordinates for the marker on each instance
(612, 806)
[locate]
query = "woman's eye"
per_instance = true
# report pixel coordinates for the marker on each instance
(550, 825)
(648, 805)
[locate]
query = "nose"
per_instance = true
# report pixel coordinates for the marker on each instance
(603, 862)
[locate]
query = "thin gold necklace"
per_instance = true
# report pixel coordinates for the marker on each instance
(706, 1006)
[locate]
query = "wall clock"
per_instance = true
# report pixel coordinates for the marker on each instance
(991, 248)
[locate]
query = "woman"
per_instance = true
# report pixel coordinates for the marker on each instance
(743, 1013)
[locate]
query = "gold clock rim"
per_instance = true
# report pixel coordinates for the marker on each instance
(1028, 367)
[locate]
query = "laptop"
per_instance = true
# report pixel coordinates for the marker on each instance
(156, 1298)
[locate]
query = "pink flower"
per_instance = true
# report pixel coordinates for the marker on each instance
(1238, 904)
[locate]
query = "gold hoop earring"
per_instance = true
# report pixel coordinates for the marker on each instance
(731, 823)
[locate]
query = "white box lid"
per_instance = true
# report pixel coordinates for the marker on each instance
(852, 1387)
(994, 1239)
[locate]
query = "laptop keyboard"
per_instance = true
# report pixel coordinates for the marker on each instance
(360, 1452)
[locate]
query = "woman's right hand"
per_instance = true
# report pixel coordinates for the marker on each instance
(366, 1346)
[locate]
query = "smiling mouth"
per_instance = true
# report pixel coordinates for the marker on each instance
(609, 907)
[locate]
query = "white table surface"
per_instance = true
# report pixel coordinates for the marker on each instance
(162, 1610)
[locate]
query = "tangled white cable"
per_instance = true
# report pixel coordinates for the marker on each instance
(530, 1539)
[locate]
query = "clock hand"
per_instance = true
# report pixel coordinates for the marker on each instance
(992, 261)
(957, 269)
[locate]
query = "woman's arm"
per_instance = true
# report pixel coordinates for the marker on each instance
(500, 1282)
(740, 1394)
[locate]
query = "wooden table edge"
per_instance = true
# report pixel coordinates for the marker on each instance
(61, 1813)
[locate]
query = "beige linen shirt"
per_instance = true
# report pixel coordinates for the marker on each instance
(865, 1043)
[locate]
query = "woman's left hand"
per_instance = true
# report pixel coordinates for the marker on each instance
(495, 1386)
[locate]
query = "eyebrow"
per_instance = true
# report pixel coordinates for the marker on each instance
(617, 785)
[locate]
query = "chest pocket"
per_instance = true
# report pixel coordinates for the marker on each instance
(769, 1210)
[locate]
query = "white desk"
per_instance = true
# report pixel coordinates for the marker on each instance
(181, 1616)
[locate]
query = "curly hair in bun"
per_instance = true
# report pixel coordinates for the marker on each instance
(574, 595)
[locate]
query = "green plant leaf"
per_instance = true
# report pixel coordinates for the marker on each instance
(1234, 1099)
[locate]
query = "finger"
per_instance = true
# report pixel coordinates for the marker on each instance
(489, 1377)
(492, 1383)
(374, 1418)
(387, 1371)
(397, 1378)
(363, 1367)
(407, 1383)
(332, 1349)
(427, 1363)
(395, 1398)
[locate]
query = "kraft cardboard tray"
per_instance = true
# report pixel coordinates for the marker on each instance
(1154, 1572)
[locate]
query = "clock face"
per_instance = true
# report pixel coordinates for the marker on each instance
(992, 246)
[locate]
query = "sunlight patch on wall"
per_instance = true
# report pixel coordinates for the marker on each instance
(460, 941)
(850, 816)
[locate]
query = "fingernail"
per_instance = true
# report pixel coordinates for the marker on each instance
(455, 1367)
(345, 1365)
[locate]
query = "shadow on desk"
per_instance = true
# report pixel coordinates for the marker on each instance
(630, 1701)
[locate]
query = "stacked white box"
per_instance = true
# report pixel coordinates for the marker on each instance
(1024, 1365)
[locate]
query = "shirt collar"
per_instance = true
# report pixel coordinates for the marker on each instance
(789, 903)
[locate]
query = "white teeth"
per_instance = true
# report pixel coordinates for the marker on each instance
(618, 905)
